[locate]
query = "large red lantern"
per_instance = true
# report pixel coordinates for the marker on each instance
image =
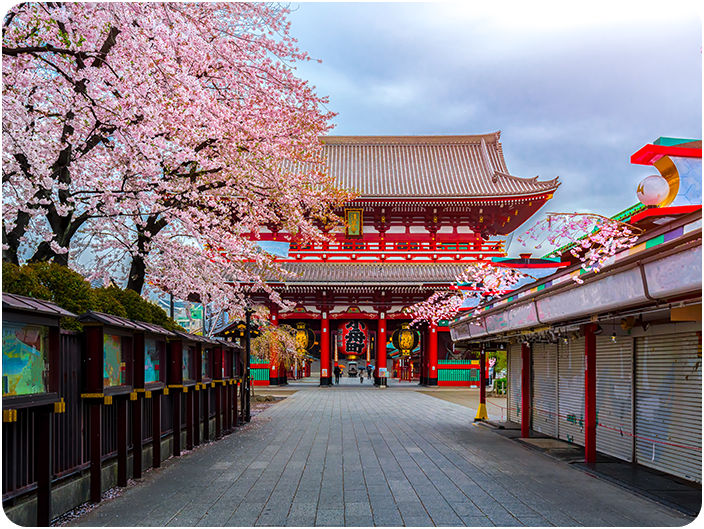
(354, 338)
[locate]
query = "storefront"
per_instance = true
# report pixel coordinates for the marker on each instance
(614, 362)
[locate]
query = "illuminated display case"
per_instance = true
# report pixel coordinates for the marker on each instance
(109, 353)
(206, 364)
(30, 351)
(185, 359)
(150, 362)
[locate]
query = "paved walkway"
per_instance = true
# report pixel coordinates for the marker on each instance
(355, 455)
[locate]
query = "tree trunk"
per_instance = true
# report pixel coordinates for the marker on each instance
(135, 281)
(138, 268)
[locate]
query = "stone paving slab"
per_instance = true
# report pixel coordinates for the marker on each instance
(364, 456)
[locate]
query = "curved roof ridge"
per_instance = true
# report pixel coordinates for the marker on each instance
(489, 137)
(554, 182)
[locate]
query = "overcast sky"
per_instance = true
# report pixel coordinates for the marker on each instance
(575, 89)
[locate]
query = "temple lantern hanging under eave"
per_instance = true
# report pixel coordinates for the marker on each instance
(353, 339)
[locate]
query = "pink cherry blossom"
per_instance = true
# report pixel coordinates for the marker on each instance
(156, 140)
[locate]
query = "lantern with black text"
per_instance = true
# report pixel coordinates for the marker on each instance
(353, 338)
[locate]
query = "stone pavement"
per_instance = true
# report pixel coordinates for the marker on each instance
(355, 455)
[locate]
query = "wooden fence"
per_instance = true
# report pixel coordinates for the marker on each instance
(71, 429)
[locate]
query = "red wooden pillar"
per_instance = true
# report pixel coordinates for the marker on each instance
(589, 395)
(189, 418)
(325, 368)
(381, 349)
(43, 450)
(96, 408)
(433, 355)
(122, 440)
(156, 430)
(137, 436)
(205, 395)
(228, 406)
(196, 414)
(525, 389)
(218, 411)
(225, 407)
(274, 368)
(176, 423)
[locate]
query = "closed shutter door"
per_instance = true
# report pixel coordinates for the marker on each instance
(614, 386)
(544, 408)
(514, 383)
(669, 404)
(571, 391)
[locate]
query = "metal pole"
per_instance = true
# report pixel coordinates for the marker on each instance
(248, 409)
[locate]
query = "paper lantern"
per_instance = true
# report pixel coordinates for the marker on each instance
(354, 338)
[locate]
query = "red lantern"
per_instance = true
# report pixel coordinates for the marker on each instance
(354, 338)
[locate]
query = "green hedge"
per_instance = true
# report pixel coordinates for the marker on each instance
(69, 289)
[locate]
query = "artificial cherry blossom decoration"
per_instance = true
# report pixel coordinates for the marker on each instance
(480, 280)
(596, 238)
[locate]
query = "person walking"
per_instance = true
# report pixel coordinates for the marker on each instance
(361, 376)
(369, 371)
(336, 371)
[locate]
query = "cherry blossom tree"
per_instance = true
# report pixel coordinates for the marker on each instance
(592, 238)
(163, 135)
(277, 345)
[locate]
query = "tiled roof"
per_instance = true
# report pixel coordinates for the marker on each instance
(365, 273)
(40, 306)
(109, 319)
(426, 167)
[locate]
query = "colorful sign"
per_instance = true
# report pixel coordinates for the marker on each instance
(353, 219)
(187, 358)
(382, 372)
(113, 366)
(151, 361)
(24, 359)
(204, 367)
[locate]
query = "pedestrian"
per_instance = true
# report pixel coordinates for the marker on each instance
(361, 376)
(337, 374)
(369, 371)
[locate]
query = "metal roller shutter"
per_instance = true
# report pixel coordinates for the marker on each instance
(570, 365)
(669, 404)
(544, 412)
(614, 387)
(514, 383)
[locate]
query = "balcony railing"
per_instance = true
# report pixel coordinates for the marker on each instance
(396, 250)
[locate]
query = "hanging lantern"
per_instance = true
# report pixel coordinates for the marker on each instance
(405, 340)
(653, 190)
(353, 338)
(305, 338)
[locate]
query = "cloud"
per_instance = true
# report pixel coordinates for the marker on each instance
(574, 88)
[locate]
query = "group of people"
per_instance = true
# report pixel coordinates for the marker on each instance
(338, 371)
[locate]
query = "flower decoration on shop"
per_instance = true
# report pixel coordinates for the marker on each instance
(589, 237)
(482, 281)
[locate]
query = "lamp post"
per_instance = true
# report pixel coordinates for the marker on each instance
(248, 409)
